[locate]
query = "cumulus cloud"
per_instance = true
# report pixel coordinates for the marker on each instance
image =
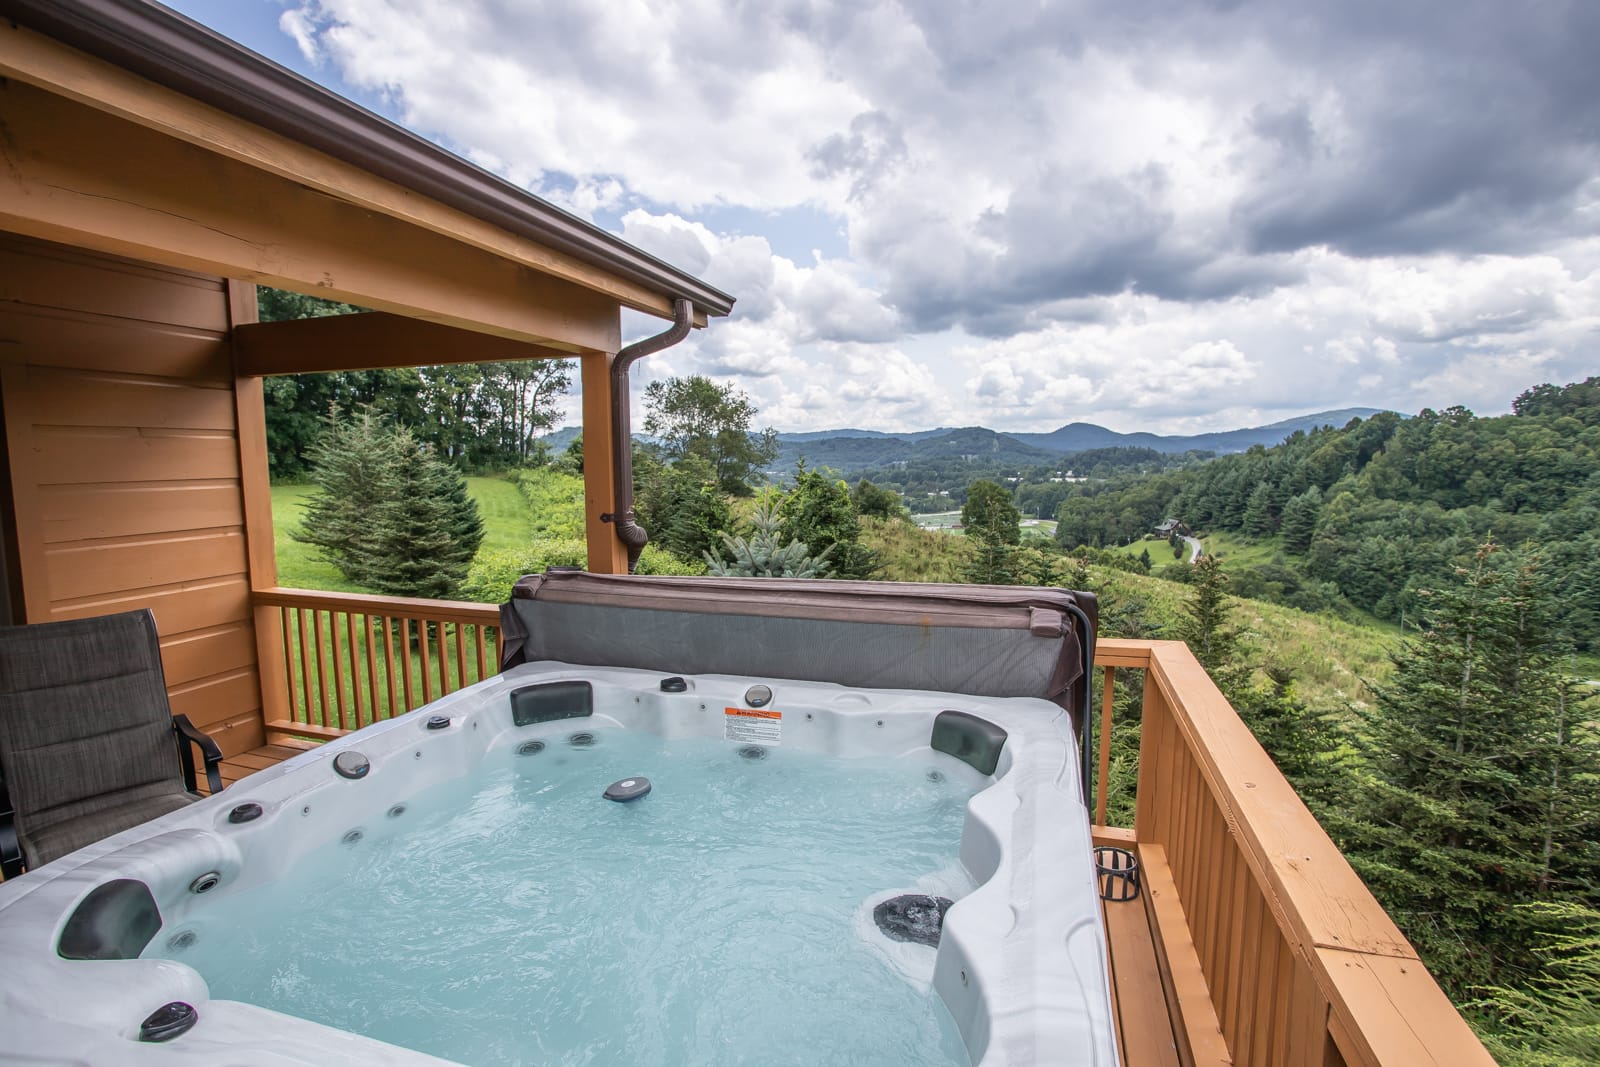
(1155, 213)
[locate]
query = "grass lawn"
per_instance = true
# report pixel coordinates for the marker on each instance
(505, 526)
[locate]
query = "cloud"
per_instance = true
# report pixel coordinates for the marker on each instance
(1153, 212)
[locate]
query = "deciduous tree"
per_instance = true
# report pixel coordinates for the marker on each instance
(696, 417)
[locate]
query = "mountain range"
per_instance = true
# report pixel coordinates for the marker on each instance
(848, 450)
(852, 449)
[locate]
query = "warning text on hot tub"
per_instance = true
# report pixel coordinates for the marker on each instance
(752, 726)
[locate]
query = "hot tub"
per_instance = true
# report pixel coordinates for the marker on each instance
(984, 789)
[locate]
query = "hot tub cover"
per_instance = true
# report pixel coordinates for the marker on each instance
(1001, 641)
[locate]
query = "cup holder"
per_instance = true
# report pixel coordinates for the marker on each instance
(1117, 870)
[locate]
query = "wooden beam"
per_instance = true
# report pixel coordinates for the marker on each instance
(30, 57)
(255, 484)
(170, 202)
(607, 555)
(370, 341)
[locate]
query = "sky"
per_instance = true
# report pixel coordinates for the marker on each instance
(1163, 216)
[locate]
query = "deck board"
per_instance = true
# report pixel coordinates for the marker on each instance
(258, 759)
(1144, 1029)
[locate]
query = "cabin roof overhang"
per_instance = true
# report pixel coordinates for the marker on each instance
(110, 64)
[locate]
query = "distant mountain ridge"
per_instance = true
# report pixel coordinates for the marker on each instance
(855, 449)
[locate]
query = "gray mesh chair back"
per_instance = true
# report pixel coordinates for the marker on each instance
(87, 738)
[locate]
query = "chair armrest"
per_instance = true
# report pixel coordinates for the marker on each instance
(10, 847)
(187, 732)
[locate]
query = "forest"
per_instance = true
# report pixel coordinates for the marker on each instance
(1367, 516)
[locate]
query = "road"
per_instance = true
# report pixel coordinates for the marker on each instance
(1194, 548)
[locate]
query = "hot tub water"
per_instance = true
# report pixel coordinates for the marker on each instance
(517, 917)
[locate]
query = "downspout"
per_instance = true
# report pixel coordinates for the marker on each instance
(629, 532)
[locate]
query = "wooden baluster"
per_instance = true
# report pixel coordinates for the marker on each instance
(305, 667)
(483, 657)
(422, 648)
(1103, 782)
(325, 705)
(338, 706)
(286, 629)
(405, 665)
(353, 651)
(461, 655)
(372, 668)
(388, 668)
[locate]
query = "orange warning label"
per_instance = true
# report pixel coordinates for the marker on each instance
(752, 726)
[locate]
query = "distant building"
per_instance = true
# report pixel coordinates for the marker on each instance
(1172, 526)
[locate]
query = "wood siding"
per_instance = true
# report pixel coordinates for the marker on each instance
(118, 385)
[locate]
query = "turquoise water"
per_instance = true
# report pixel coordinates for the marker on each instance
(520, 918)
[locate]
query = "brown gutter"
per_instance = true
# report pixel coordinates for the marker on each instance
(629, 532)
(171, 50)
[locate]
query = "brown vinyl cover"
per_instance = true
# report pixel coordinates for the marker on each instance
(977, 639)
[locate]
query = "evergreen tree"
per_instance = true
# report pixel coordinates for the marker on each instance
(1482, 788)
(388, 514)
(353, 468)
(993, 524)
(1205, 629)
(1302, 743)
(820, 514)
(683, 511)
(1554, 1020)
(429, 528)
(990, 513)
(1300, 520)
(762, 553)
(1258, 515)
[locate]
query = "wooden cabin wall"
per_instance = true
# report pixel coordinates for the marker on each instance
(118, 390)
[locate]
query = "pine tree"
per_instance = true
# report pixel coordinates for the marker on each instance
(1205, 629)
(353, 467)
(821, 514)
(762, 553)
(1482, 787)
(1300, 520)
(429, 527)
(992, 523)
(392, 517)
(1258, 515)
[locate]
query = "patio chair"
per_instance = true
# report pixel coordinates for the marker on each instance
(88, 744)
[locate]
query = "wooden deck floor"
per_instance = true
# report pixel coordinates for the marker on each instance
(258, 759)
(1144, 1023)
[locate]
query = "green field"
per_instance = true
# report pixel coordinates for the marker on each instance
(506, 526)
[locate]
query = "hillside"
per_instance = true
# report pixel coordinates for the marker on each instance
(1372, 515)
(1332, 660)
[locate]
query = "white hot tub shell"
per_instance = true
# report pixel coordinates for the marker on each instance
(1021, 963)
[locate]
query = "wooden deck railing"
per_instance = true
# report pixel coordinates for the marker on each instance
(1273, 951)
(346, 660)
